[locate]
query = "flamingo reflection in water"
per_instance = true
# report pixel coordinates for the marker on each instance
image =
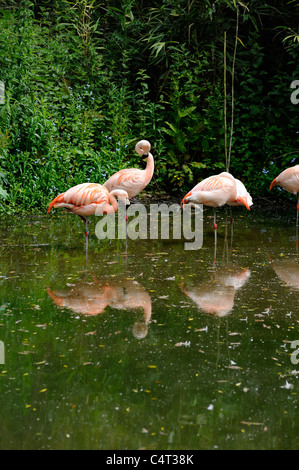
(93, 298)
(217, 295)
(287, 271)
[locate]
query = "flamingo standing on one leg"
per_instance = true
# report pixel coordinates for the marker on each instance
(133, 180)
(215, 191)
(289, 180)
(88, 199)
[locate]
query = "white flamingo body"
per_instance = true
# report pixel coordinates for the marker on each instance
(213, 191)
(218, 190)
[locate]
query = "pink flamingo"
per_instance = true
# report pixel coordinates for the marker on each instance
(289, 180)
(216, 191)
(88, 199)
(133, 180)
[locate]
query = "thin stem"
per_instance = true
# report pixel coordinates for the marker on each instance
(233, 91)
(224, 110)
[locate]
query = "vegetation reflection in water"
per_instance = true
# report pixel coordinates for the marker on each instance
(157, 349)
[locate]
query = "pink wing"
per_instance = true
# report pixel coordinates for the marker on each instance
(82, 195)
(130, 180)
(86, 193)
(215, 183)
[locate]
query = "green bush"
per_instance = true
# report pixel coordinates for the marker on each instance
(85, 81)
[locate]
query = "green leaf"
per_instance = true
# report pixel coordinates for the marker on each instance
(186, 111)
(198, 165)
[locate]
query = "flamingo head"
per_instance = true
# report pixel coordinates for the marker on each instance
(186, 199)
(143, 148)
(121, 196)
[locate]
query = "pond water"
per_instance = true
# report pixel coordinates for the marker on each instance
(149, 346)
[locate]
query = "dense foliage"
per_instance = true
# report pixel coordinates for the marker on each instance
(207, 83)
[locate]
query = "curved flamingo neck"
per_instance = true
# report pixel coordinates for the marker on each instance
(113, 203)
(150, 166)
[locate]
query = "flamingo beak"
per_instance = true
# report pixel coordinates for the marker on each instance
(243, 201)
(187, 195)
(273, 184)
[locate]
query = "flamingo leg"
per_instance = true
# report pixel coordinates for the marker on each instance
(215, 248)
(86, 234)
(86, 221)
(215, 232)
(127, 230)
(297, 212)
(214, 224)
(231, 215)
(231, 224)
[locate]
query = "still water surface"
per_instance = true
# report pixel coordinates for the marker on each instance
(150, 348)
